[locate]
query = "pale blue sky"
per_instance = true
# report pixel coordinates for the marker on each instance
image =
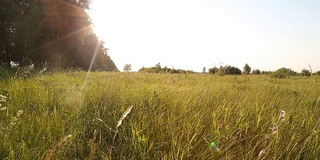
(192, 34)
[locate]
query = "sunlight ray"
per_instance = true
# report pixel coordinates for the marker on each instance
(92, 61)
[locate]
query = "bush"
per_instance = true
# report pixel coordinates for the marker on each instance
(256, 71)
(213, 70)
(266, 72)
(317, 73)
(306, 73)
(226, 70)
(284, 73)
(158, 69)
(229, 70)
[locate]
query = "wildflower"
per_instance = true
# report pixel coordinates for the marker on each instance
(13, 122)
(19, 113)
(3, 108)
(42, 71)
(14, 64)
(2, 98)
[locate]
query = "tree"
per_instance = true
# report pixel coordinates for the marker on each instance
(204, 70)
(225, 70)
(229, 70)
(66, 32)
(156, 69)
(283, 73)
(306, 73)
(158, 65)
(54, 31)
(213, 70)
(18, 37)
(127, 67)
(246, 69)
(256, 71)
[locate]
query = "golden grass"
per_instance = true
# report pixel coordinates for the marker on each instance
(174, 116)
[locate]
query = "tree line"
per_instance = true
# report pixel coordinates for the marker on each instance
(158, 69)
(226, 70)
(58, 32)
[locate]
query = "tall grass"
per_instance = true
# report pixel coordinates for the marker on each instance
(173, 117)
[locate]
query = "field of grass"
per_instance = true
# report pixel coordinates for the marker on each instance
(62, 116)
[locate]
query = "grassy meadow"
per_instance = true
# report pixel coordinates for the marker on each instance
(63, 115)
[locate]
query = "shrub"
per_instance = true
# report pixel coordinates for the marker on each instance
(256, 71)
(226, 70)
(213, 70)
(229, 70)
(317, 73)
(306, 73)
(284, 73)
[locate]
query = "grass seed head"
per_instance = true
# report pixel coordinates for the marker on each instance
(274, 130)
(54, 148)
(282, 115)
(124, 115)
(262, 154)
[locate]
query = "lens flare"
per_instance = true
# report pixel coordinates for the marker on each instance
(91, 64)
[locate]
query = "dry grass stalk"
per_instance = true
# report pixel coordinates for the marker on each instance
(54, 148)
(105, 124)
(282, 116)
(124, 115)
(262, 153)
(93, 145)
(274, 130)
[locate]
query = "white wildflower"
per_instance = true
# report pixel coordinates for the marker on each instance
(19, 113)
(2, 98)
(31, 65)
(14, 64)
(3, 108)
(43, 70)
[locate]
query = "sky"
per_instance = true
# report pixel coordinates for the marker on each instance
(192, 34)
